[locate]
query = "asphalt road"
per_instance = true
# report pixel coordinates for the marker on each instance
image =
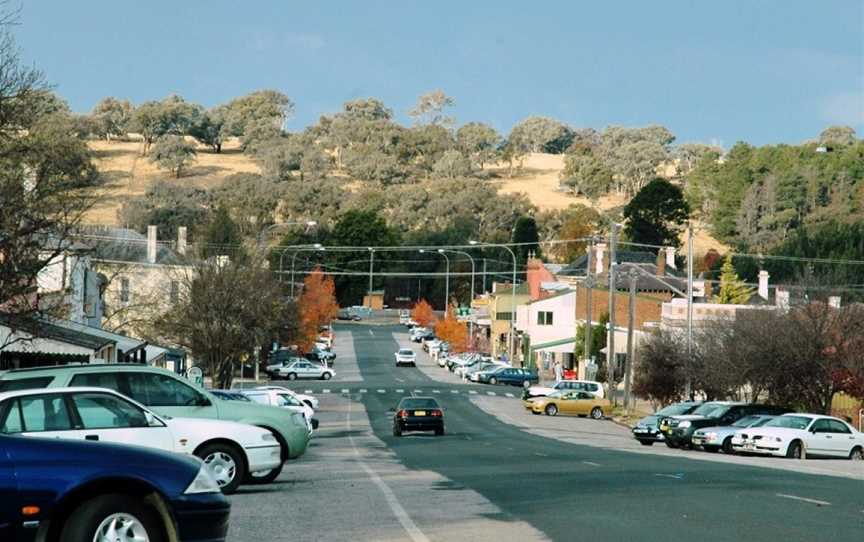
(518, 482)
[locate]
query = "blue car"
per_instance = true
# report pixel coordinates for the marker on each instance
(509, 375)
(70, 491)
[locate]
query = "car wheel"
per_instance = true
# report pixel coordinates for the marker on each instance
(727, 446)
(439, 432)
(646, 442)
(326, 376)
(526, 384)
(857, 454)
(712, 449)
(551, 410)
(264, 476)
(795, 450)
(670, 444)
(292, 376)
(597, 413)
(493, 380)
(226, 464)
(113, 517)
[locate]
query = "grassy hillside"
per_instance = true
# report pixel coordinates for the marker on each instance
(127, 174)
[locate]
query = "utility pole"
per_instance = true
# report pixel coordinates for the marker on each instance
(371, 263)
(610, 349)
(631, 322)
(689, 385)
(589, 288)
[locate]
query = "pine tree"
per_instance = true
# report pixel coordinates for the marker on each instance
(733, 290)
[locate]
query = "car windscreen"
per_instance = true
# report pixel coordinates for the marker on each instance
(746, 421)
(405, 352)
(710, 410)
(790, 422)
(418, 403)
(675, 410)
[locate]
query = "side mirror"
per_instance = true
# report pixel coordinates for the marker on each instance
(151, 420)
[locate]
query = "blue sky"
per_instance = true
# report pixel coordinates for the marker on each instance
(765, 72)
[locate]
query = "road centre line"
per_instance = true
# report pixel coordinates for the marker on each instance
(454, 391)
(673, 476)
(382, 391)
(804, 499)
(436, 391)
(491, 393)
(325, 390)
(400, 391)
(404, 519)
(308, 392)
(472, 392)
(591, 463)
(346, 390)
(363, 390)
(509, 395)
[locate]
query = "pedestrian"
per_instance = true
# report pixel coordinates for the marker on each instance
(559, 371)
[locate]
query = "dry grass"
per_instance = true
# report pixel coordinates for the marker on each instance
(127, 173)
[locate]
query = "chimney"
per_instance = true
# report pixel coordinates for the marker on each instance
(763, 284)
(601, 266)
(181, 240)
(782, 299)
(670, 257)
(834, 301)
(151, 244)
(661, 264)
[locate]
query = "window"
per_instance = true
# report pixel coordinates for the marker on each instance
(837, 427)
(25, 383)
(287, 400)
(124, 290)
(98, 380)
(174, 295)
(544, 318)
(504, 316)
(13, 422)
(161, 390)
(44, 413)
(821, 426)
(260, 398)
(103, 411)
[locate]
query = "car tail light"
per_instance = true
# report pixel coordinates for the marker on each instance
(435, 413)
(402, 413)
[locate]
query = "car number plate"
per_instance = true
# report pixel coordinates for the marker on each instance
(419, 412)
(749, 446)
(638, 430)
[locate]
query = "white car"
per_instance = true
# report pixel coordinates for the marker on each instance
(310, 400)
(230, 450)
(405, 356)
(305, 369)
(590, 386)
(802, 435)
(282, 399)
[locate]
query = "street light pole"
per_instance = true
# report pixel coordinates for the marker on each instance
(316, 246)
(371, 264)
(265, 233)
(688, 385)
(473, 269)
(446, 280)
(610, 348)
(512, 341)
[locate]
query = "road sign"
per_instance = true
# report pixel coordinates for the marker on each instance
(196, 375)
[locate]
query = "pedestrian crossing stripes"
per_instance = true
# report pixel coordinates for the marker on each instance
(417, 391)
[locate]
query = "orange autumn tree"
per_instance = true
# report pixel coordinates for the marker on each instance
(453, 331)
(317, 305)
(423, 314)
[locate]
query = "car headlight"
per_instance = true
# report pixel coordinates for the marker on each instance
(268, 437)
(203, 482)
(685, 424)
(711, 436)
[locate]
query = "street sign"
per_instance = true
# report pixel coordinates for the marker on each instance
(196, 375)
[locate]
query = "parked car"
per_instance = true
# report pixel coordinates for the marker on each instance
(273, 368)
(429, 343)
(405, 356)
(305, 369)
(472, 372)
(802, 435)
(73, 489)
(229, 449)
(404, 317)
(509, 375)
(594, 388)
(169, 394)
(647, 430)
(229, 395)
(418, 414)
(581, 403)
(417, 333)
(678, 430)
(714, 439)
(283, 399)
(310, 400)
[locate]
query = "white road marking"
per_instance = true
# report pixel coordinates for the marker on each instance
(418, 391)
(472, 392)
(509, 395)
(673, 476)
(492, 393)
(345, 390)
(363, 390)
(400, 391)
(382, 391)
(591, 463)
(307, 392)
(400, 380)
(538, 454)
(325, 390)
(407, 523)
(436, 391)
(804, 499)
(454, 391)
(370, 333)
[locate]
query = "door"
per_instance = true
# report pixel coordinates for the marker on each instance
(842, 439)
(109, 418)
(10, 500)
(585, 401)
(170, 396)
(820, 439)
(570, 403)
